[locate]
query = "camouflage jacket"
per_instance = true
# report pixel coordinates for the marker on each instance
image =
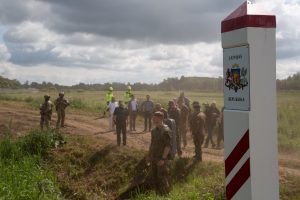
(184, 114)
(174, 114)
(160, 138)
(197, 122)
(61, 103)
(46, 108)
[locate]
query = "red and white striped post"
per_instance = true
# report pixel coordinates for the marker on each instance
(250, 117)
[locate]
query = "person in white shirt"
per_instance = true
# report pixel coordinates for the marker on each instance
(132, 108)
(111, 108)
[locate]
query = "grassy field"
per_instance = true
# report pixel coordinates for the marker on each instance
(288, 107)
(85, 168)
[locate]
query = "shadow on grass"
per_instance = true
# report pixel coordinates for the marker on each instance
(98, 156)
(143, 182)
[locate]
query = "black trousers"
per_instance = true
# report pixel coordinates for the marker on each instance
(147, 120)
(121, 128)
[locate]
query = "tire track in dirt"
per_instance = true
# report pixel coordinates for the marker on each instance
(22, 120)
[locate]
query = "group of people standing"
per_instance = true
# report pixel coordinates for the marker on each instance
(46, 110)
(186, 116)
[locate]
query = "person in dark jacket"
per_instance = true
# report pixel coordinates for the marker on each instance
(159, 154)
(120, 119)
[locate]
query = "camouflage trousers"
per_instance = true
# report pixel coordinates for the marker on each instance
(45, 120)
(198, 141)
(160, 178)
(60, 118)
(183, 131)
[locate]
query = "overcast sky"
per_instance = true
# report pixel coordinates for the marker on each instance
(97, 41)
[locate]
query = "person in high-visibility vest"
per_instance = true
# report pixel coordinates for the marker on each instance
(127, 95)
(109, 95)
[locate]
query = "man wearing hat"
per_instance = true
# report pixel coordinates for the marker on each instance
(109, 95)
(127, 95)
(60, 105)
(197, 121)
(159, 154)
(46, 112)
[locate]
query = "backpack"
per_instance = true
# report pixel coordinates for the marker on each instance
(170, 123)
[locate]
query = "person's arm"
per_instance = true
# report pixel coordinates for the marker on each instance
(164, 156)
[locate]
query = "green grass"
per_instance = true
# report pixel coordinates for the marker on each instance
(205, 182)
(21, 173)
(288, 107)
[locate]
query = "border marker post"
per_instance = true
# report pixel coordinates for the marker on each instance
(250, 116)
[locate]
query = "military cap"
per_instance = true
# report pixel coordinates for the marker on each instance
(129, 87)
(61, 93)
(111, 88)
(47, 96)
(158, 114)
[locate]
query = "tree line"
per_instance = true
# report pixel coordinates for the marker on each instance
(169, 84)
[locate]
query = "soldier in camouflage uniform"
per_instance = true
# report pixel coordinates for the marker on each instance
(221, 129)
(60, 105)
(174, 113)
(159, 154)
(46, 112)
(211, 116)
(197, 121)
(184, 115)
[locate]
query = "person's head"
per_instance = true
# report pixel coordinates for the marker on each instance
(158, 118)
(121, 104)
(181, 94)
(46, 97)
(171, 104)
(132, 97)
(113, 99)
(158, 106)
(148, 97)
(110, 89)
(196, 106)
(213, 104)
(129, 88)
(61, 94)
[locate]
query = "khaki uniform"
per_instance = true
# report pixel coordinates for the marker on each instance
(197, 122)
(160, 138)
(46, 113)
(212, 115)
(221, 129)
(60, 106)
(184, 115)
(175, 114)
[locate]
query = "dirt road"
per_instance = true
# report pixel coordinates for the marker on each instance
(22, 120)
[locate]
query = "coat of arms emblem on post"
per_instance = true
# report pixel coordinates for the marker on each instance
(236, 77)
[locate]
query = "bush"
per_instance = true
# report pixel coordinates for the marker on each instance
(38, 142)
(78, 104)
(21, 176)
(28, 99)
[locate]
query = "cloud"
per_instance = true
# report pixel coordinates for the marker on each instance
(4, 54)
(127, 40)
